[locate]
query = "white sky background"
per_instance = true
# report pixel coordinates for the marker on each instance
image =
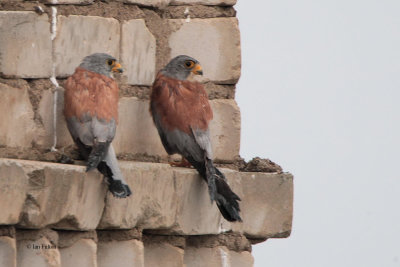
(319, 95)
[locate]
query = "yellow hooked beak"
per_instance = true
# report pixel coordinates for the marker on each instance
(117, 68)
(197, 69)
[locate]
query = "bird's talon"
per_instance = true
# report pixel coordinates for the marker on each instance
(183, 163)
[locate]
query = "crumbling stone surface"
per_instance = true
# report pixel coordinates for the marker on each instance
(7, 230)
(141, 210)
(50, 186)
(204, 2)
(119, 235)
(173, 240)
(258, 164)
(69, 238)
(68, 2)
(149, 3)
(233, 241)
(13, 188)
(165, 200)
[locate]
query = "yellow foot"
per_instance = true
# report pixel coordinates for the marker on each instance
(184, 163)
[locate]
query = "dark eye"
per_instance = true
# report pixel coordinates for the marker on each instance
(110, 62)
(189, 64)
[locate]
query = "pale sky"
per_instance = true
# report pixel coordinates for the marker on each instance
(319, 95)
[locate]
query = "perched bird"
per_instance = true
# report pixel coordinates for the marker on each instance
(91, 112)
(181, 113)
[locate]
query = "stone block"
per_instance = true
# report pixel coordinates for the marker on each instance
(217, 256)
(166, 200)
(25, 45)
(267, 206)
(214, 42)
(152, 204)
(13, 188)
(196, 215)
(149, 3)
(8, 252)
(46, 113)
(204, 2)
(80, 36)
(138, 52)
(37, 253)
(81, 253)
(129, 253)
(63, 196)
(210, 257)
(163, 254)
(225, 129)
(17, 126)
(136, 132)
(241, 259)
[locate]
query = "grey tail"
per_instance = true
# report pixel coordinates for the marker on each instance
(99, 151)
(116, 187)
(109, 168)
(226, 199)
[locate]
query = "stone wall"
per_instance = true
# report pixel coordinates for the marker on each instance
(56, 214)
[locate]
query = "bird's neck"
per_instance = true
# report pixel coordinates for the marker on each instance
(172, 73)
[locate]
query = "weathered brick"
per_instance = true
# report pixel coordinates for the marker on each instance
(138, 52)
(61, 195)
(214, 42)
(136, 132)
(47, 115)
(152, 3)
(225, 129)
(216, 257)
(25, 44)
(81, 253)
(267, 206)
(8, 252)
(241, 259)
(17, 126)
(168, 200)
(13, 188)
(141, 210)
(204, 2)
(129, 253)
(90, 35)
(196, 215)
(34, 254)
(162, 254)
(210, 257)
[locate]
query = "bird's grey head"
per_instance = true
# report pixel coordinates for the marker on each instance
(181, 66)
(101, 63)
